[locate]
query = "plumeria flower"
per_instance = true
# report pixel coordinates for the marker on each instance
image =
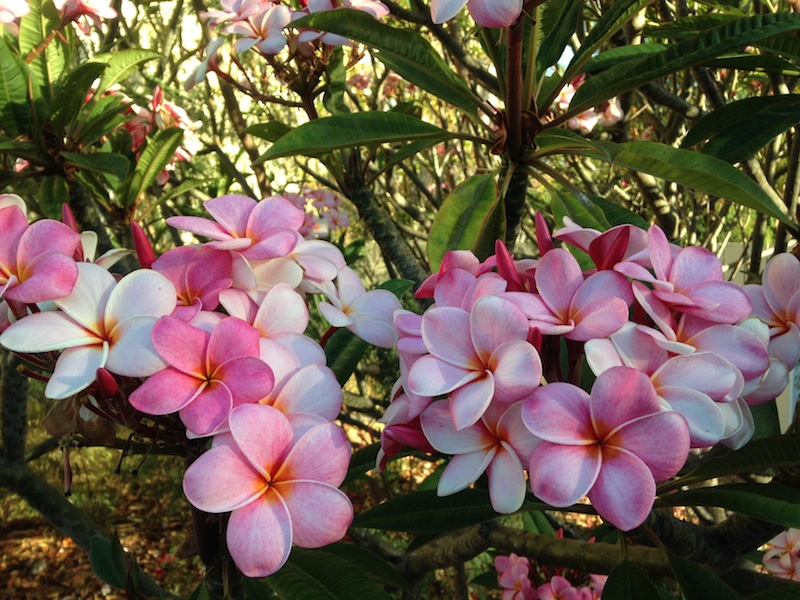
(279, 491)
(612, 445)
(11, 10)
(476, 357)
(81, 11)
(487, 13)
(454, 259)
(366, 314)
(558, 588)
(784, 559)
(498, 444)
(100, 324)
(620, 243)
(513, 576)
(36, 261)
(263, 30)
(207, 373)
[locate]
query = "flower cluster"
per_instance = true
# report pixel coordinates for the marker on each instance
(155, 347)
(783, 559)
(678, 353)
(514, 576)
(607, 114)
(324, 213)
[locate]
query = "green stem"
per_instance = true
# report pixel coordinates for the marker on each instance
(530, 73)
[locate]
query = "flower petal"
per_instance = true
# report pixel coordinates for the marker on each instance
(561, 475)
(320, 513)
(259, 535)
(624, 491)
(75, 370)
(220, 481)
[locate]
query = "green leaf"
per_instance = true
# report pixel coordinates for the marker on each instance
(554, 140)
(709, 44)
(153, 159)
(738, 130)
(464, 219)
(486, 579)
(71, 93)
(98, 118)
(372, 564)
(53, 192)
(559, 22)
(767, 453)
(580, 208)
(425, 512)
(610, 58)
(766, 420)
(355, 129)
(316, 575)
(108, 561)
(102, 162)
(692, 169)
(405, 52)
(698, 583)
(616, 214)
(362, 461)
(761, 63)
(786, 45)
(15, 108)
(120, 65)
(407, 151)
(626, 582)
(690, 26)
(535, 521)
(791, 591)
(34, 28)
(333, 99)
(272, 131)
(773, 503)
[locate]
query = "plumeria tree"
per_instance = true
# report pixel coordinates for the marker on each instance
(542, 190)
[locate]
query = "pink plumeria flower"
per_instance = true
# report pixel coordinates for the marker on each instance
(279, 491)
(257, 230)
(81, 11)
(784, 559)
(235, 10)
(476, 357)
(455, 259)
(569, 305)
(612, 445)
(609, 113)
(36, 261)
(402, 428)
(207, 374)
(623, 242)
(376, 9)
(777, 303)
(101, 324)
(498, 444)
(487, 13)
(366, 314)
(513, 576)
(558, 588)
(11, 10)
(263, 30)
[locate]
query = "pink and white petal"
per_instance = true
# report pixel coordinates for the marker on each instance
(320, 260)
(47, 277)
(786, 347)
(207, 267)
(259, 535)
(620, 395)
(559, 413)
(263, 434)
(511, 429)
(661, 441)
(208, 410)
(283, 310)
(44, 237)
(87, 301)
(601, 355)
(780, 281)
(290, 349)
(375, 330)
(131, 352)
(46, 331)
(13, 223)
(437, 425)
(470, 401)
(249, 379)
(142, 293)
(493, 321)
(558, 277)
(706, 372)
(487, 284)
(350, 286)
(771, 385)
(737, 344)
(624, 491)
(181, 345)
(231, 338)
(335, 316)
(660, 252)
(695, 265)
(312, 389)
(704, 417)
(446, 334)
(598, 319)
(173, 264)
(731, 303)
(232, 212)
(561, 475)
(164, 393)
(444, 10)
(381, 303)
(430, 376)
(517, 370)
(220, 480)
(76, 369)
(321, 454)
(452, 287)
(463, 470)
(238, 304)
(276, 242)
(603, 285)
(491, 13)
(655, 309)
(506, 480)
(200, 226)
(320, 512)
(275, 211)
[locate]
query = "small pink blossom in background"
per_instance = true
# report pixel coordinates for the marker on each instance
(558, 588)
(11, 10)
(487, 13)
(512, 576)
(263, 30)
(612, 445)
(376, 9)
(280, 490)
(783, 559)
(81, 11)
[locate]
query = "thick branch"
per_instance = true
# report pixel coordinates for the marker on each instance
(13, 408)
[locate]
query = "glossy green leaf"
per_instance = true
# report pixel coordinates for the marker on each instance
(580, 208)
(559, 22)
(535, 521)
(407, 151)
(425, 512)
(333, 98)
(488, 579)
(47, 61)
(786, 45)
(766, 420)
(320, 575)
(405, 52)
(376, 567)
(692, 169)
(272, 131)
(71, 93)
(464, 219)
(773, 503)
(108, 561)
(554, 140)
(349, 130)
(53, 192)
(626, 582)
(690, 26)
(121, 64)
(15, 109)
(362, 461)
(698, 583)
(760, 63)
(102, 162)
(98, 119)
(616, 214)
(738, 130)
(615, 56)
(692, 51)
(767, 453)
(154, 158)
